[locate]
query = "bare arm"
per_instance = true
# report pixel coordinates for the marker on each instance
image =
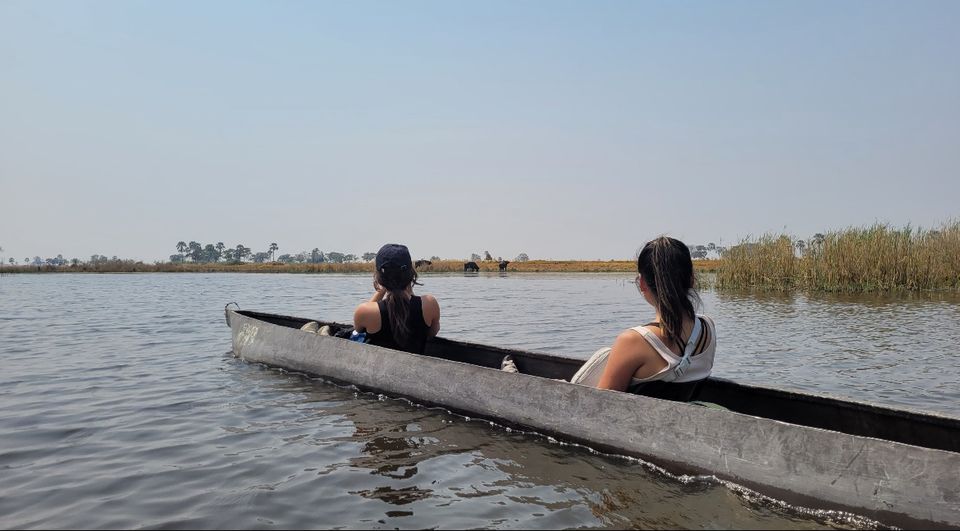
(361, 318)
(431, 314)
(367, 314)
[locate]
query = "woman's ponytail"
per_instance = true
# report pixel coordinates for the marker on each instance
(666, 267)
(396, 281)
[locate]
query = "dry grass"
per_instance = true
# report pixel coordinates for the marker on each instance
(438, 266)
(864, 259)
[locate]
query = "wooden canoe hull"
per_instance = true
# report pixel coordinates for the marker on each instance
(897, 483)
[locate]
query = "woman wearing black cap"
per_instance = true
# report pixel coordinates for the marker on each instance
(394, 317)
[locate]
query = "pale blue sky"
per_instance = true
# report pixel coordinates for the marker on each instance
(559, 129)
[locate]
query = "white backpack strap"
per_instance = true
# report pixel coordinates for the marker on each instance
(681, 367)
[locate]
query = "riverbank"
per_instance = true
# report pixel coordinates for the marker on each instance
(438, 266)
(878, 258)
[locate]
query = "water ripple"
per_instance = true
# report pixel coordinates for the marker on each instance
(123, 408)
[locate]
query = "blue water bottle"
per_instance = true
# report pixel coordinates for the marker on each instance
(359, 337)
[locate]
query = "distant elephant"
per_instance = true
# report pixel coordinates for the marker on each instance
(471, 266)
(504, 264)
(419, 263)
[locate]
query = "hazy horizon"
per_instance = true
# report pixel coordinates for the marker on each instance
(564, 130)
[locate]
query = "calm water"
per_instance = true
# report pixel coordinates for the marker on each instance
(122, 406)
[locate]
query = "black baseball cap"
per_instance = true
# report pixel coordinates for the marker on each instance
(393, 256)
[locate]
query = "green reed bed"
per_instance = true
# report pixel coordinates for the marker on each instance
(862, 259)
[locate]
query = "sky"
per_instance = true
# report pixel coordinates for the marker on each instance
(563, 130)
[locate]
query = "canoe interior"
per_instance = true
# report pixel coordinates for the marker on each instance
(855, 418)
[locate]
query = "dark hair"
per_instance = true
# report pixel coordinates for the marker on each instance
(396, 280)
(666, 267)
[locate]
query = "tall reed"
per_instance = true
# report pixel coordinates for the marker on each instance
(858, 259)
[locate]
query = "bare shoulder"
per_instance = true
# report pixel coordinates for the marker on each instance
(630, 340)
(431, 308)
(367, 307)
(631, 344)
(629, 355)
(366, 314)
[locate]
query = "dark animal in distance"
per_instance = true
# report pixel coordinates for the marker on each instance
(471, 266)
(504, 264)
(420, 263)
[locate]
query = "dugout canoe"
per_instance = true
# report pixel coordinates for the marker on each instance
(900, 467)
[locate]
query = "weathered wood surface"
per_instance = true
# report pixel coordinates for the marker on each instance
(898, 483)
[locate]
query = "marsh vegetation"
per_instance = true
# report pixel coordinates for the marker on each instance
(878, 257)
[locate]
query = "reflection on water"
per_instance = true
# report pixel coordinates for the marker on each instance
(122, 407)
(886, 348)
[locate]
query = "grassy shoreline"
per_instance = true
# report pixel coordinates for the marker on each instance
(872, 259)
(440, 266)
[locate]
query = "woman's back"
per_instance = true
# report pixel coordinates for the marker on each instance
(678, 380)
(417, 329)
(394, 317)
(678, 347)
(701, 342)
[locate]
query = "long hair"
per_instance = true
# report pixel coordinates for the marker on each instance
(396, 281)
(666, 267)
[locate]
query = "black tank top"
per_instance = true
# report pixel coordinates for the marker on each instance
(416, 342)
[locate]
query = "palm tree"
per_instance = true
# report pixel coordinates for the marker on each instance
(800, 244)
(273, 249)
(181, 247)
(196, 251)
(210, 253)
(220, 247)
(818, 239)
(241, 252)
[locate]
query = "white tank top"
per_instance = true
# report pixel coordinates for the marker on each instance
(687, 368)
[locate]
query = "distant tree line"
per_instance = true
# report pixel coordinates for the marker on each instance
(60, 261)
(214, 253)
(803, 247)
(700, 252)
(813, 244)
(487, 257)
(210, 253)
(195, 252)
